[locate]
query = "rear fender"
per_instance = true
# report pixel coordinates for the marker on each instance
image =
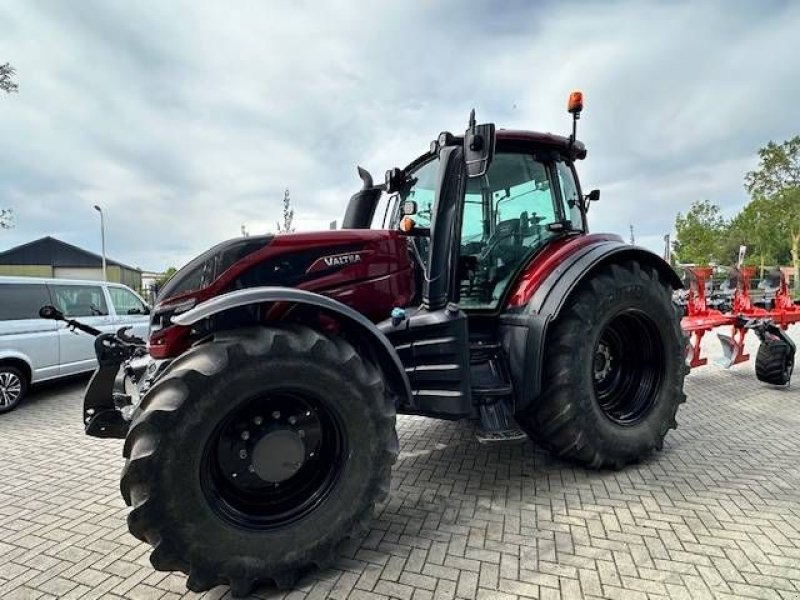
(370, 341)
(524, 332)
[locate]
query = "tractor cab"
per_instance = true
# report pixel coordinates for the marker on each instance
(528, 196)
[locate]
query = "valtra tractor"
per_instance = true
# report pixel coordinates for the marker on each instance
(261, 433)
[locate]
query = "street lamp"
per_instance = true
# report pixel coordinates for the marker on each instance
(102, 238)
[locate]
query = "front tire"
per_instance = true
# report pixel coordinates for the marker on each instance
(614, 370)
(255, 454)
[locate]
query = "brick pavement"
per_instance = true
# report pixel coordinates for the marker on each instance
(715, 515)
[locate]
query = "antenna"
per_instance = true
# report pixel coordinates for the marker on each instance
(472, 120)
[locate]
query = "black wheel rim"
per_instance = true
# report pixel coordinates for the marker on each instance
(273, 460)
(628, 368)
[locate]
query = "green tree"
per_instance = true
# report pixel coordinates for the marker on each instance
(165, 276)
(7, 83)
(700, 234)
(776, 181)
(757, 226)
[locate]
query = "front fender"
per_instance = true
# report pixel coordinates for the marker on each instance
(524, 333)
(370, 338)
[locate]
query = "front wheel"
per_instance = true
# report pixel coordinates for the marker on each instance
(13, 387)
(614, 370)
(255, 454)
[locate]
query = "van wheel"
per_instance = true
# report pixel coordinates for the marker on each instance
(13, 387)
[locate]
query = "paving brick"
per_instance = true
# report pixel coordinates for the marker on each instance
(715, 515)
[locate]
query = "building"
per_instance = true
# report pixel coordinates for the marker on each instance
(49, 257)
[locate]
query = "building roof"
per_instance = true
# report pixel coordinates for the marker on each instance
(50, 251)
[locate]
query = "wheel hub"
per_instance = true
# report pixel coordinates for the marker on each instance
(602, 362)
(279, 455)
(273, 459)
(628, 367)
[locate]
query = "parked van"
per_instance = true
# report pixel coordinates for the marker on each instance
(34, 349)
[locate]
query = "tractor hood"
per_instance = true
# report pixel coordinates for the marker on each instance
(324, 262)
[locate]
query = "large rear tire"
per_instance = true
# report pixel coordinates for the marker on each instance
(256, 454)
(613, 372)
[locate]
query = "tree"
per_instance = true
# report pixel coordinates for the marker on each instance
(164, 277)
(776, 182)
(700, 233)
(6, 218)
(288, 214)
(757, 227)
(7, 83)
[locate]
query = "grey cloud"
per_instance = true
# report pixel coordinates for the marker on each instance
(186, 120)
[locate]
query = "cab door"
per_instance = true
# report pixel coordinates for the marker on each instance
(88, 304)
(509, 214)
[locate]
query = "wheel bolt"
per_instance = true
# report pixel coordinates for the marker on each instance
(242, 454)
(251, 468)
(292, 420)
(301, 433)
(276, 414)
(308, 413)
(258, 420)
(245, 435)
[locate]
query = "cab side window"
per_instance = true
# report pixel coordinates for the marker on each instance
(80, 300)
(570, 195)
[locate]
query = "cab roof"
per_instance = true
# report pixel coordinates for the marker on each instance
(558, 142)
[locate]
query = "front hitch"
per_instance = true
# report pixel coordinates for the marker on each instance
(101, 413)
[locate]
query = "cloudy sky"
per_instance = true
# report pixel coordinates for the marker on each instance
(185, 120)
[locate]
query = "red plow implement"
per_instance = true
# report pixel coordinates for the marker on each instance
(769, 319)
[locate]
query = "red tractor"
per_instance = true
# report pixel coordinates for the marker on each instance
(262, 431)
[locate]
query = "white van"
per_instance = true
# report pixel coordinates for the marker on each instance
(34, 349)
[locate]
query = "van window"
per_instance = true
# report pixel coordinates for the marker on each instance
(125, 302)
(22, 300)
(80, 300)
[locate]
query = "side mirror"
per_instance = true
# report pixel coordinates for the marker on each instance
(395, 178)
(51, 312)
(592, 196)
(478, 147)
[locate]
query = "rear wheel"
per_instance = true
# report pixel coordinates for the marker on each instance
(613, 372)
(13, 387)
(774, 361)
(256, 454)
